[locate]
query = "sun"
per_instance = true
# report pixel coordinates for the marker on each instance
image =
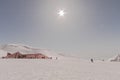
(61, 12)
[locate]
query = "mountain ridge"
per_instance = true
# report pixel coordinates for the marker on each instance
(24, 49)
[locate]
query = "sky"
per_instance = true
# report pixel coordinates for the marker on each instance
(90, 28)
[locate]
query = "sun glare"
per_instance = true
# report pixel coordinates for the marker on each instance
(61, 13)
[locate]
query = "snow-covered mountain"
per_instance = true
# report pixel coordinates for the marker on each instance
(24, 49)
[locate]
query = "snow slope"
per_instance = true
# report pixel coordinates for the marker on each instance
(61, 69)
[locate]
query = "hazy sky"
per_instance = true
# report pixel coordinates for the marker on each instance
(90, 28)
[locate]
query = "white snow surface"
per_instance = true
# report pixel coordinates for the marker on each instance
(2, 53)
(61, 69)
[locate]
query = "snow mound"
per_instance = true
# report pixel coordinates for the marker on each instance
(115, 59)
(12, 48)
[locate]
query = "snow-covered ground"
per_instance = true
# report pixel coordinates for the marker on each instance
(61, 69)
(66, 67)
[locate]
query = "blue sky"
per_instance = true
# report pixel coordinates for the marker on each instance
(90, 28)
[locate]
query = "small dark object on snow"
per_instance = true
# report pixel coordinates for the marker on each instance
(56, 58)
(92, 60)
